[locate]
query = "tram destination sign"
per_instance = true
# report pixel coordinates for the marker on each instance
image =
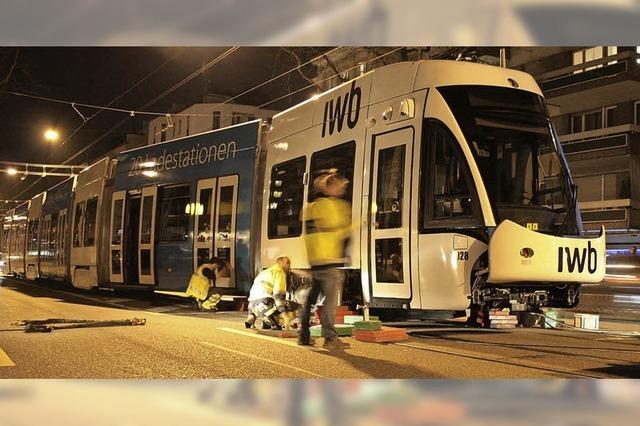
(221, 152)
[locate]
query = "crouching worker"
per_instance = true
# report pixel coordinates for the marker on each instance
(267, 298)
(202, 285)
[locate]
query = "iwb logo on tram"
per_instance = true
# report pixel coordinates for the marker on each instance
(576, 259)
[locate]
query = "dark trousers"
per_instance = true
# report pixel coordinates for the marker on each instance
(326, 280)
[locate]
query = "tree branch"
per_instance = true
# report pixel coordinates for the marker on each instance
(5, 81)
(299, 70)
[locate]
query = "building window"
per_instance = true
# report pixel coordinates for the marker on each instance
(179, 127)
(593, 120)
(154, 134)
(637, 113)
(163, 133)
(237, 118)
(216, 120)
(592, 54)
(610, 116)
(576, 123)
(174, 213)
(286, 191)
(341, 158)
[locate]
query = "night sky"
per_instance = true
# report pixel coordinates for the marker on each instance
(97, 75)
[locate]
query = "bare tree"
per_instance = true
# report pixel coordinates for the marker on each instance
(8, 64)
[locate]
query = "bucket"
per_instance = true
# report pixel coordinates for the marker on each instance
(586, 321)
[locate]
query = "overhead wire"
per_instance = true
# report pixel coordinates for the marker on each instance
(133, 112)
(209, 65)
(325, 79)
(117, 98)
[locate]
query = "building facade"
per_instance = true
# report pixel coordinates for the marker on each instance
(593, 95)
(202, 117)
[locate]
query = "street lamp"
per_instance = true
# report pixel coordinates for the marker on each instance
(51, 135)
(11, 171)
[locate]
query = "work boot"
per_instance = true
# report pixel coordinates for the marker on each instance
(272, 322)
(336, 344)
(305, 341)
(250, 322)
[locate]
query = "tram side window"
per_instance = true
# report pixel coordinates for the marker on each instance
(225, 210)
(174, 213)
(341, 158)
(450, 197)
(204, 221)
(32, 236)
(286, 192)
(62, 236)
(116, 228)
(77, 224)
(53, 234)
(90, 216)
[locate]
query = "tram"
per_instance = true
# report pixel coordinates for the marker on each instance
(460, 193)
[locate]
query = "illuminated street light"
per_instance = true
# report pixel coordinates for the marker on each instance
(11, 171)
(51, 135)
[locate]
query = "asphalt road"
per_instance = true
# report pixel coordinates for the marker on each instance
(178, 343)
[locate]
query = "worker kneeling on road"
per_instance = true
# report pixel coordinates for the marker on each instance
(202, 285)
(267, 298)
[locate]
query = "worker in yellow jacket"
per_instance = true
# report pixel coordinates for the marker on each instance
(327, 233)
(267, 298)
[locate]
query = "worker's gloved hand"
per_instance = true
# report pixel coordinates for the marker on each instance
(291, 306)
(280, 303)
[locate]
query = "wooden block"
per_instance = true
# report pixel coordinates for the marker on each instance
(386, 334)
(368, 325)
(503, 317)
(344, 329)
(502, 325)
(287, 334)
(500, 312)
(341, 329)
(350, 319)
(316, 331)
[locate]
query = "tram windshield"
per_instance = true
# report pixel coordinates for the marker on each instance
(516, 151)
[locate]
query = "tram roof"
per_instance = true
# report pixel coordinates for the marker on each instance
(402, 78)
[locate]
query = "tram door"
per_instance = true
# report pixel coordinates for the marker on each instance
(116, 271)
(215, 225)
(225, 235)
(390, 202)
(146, 236)
(204, 216)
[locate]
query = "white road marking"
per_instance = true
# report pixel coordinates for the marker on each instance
(270, 361)
(162, 309)
(5, 361)
(281, 340)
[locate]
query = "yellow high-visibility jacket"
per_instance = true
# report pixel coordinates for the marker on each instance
(328, 227)
(272, 282)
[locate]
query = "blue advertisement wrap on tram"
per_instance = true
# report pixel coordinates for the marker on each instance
(204, 201)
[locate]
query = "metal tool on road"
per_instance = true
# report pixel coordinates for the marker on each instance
(48, 325)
